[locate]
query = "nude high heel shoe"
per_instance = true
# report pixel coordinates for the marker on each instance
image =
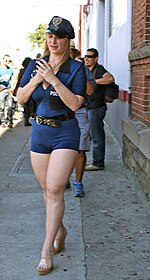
(59, 244)
(46, 265)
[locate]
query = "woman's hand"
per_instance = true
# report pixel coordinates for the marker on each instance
(45, 70)
(69, 98)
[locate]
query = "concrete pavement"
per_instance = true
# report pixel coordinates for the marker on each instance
(108, 230)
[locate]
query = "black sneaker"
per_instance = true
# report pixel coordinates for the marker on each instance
(10, 125)
(68, 186)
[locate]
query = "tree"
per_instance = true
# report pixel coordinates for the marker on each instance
(37, 38)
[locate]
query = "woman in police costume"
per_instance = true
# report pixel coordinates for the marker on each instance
(57, 83)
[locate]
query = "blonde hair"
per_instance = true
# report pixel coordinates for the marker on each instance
(64, 57)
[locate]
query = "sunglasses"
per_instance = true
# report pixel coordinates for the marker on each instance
(89, 56)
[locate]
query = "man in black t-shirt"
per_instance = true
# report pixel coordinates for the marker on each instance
(97, 109)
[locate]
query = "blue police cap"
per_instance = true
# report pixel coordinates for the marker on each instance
(61, 27)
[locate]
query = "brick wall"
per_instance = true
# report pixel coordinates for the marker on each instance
(141, 23)
(136, 129)
(141, 89)
(140, 61)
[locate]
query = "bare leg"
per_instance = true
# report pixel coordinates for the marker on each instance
(52, 172)
(80, 165)
(79, 168)
(41, 177)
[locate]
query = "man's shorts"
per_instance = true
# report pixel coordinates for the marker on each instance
(82, 117)
(46, 139)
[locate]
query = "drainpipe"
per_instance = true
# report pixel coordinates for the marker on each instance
(80, 29)
(130, 9)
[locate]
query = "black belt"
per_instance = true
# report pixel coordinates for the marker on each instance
(56, 120)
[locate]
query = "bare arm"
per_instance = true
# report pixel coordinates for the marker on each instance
(70, 99)
(23, 94)
(105, 80)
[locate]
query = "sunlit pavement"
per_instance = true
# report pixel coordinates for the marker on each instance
(108, 229)
(18, 116)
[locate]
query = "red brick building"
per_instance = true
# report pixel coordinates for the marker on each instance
(140, 61)
(136, 137)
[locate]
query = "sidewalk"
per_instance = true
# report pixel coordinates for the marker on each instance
(108, 230)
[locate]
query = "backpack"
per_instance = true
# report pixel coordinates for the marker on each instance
(30, 107)
(111, 92)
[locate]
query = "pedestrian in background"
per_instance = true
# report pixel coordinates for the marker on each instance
(20, 75)
(97, 109)
(6, 97)
(82, 117)
(58, 87)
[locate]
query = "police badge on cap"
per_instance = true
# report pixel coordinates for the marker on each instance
(61, 27)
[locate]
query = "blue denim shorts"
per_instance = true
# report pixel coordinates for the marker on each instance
(46, 139)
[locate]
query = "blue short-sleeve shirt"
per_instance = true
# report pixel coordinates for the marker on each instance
(6, 75)
(71, 74)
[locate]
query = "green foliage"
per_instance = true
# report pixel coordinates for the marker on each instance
(37, 38)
